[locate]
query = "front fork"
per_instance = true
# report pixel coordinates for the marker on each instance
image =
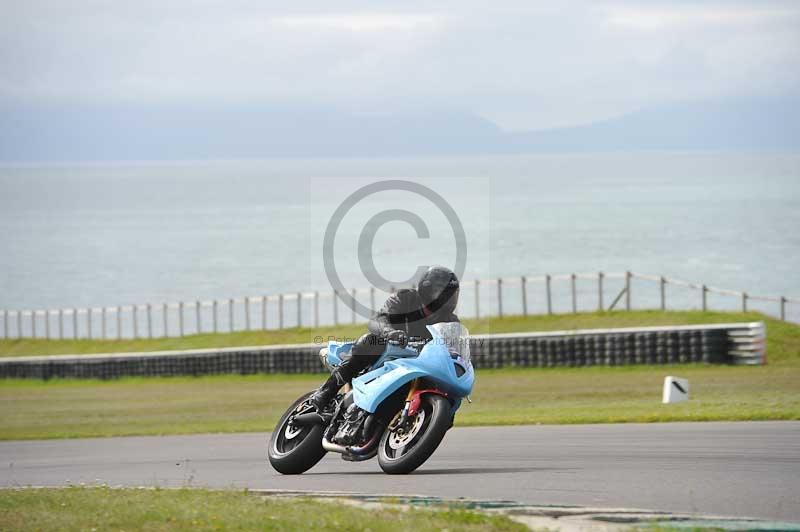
(402, 417)
(414, 403)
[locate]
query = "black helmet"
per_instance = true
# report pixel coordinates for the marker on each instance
(438, 289)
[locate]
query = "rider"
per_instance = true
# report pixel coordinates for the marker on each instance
(403, 317)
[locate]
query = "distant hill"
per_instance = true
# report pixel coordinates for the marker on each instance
(753, 124)
(182, 132)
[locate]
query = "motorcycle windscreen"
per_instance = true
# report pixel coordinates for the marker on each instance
(454, 335)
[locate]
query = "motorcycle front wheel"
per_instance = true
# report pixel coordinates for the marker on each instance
(405, 449)
(295, 449)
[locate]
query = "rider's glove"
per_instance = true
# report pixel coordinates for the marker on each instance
(396, 337)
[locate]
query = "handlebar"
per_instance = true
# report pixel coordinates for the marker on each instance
(413, 345)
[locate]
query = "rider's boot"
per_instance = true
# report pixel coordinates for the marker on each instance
(329, 388)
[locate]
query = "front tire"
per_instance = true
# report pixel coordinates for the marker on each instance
(401, 454)
(293, 450)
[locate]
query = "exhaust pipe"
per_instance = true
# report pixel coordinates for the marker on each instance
(332, 447)
(367, 447)
(354, 451)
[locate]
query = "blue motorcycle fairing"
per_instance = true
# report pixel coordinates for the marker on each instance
(371, 389)
(336, 350)
(433, 362)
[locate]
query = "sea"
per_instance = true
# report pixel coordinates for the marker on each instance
(105, 234)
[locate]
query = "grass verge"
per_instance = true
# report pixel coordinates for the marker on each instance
(583, 320)
(194, 509)
(32, 409)
(184, 405)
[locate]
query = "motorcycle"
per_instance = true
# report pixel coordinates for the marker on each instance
(399, 409)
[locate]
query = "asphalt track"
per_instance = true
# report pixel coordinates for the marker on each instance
(747, 469)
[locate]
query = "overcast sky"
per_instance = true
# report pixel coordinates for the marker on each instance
(521, 64)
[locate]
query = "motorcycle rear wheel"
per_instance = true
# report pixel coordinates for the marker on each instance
(293, 450)
(402, 454)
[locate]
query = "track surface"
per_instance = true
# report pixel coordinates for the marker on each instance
(733, 469)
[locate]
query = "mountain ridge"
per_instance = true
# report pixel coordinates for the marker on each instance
(94, 133)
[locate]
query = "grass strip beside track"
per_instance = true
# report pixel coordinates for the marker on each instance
(185, 405)
(195, 509)
(31, 409)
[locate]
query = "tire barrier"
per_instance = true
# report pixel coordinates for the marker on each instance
(738, 343)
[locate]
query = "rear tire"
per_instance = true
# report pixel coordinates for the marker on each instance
(435, 410)
(294, 450)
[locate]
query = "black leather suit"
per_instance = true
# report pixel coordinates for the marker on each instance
(402, 311)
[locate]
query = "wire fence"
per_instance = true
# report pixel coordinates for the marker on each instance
(505, 296)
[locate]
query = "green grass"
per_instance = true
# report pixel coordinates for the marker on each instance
(193, 509)
(584, 320)
(182, 405)
(31, 409)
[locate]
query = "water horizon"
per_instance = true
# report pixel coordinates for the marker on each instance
(105, 234)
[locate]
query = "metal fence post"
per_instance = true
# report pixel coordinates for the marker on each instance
(477, 299)
(247, 313)
(335, 307)
(705, 292)
(627, 290)
(19, 324)
(36, 331)
(5, 324)
(214, 308)
(198, 317)
(548, 289)
(165, 319)
(600, 276)
(500, 296)
(316, 308)
(524, 282)
(574, 295)
(299, 309)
